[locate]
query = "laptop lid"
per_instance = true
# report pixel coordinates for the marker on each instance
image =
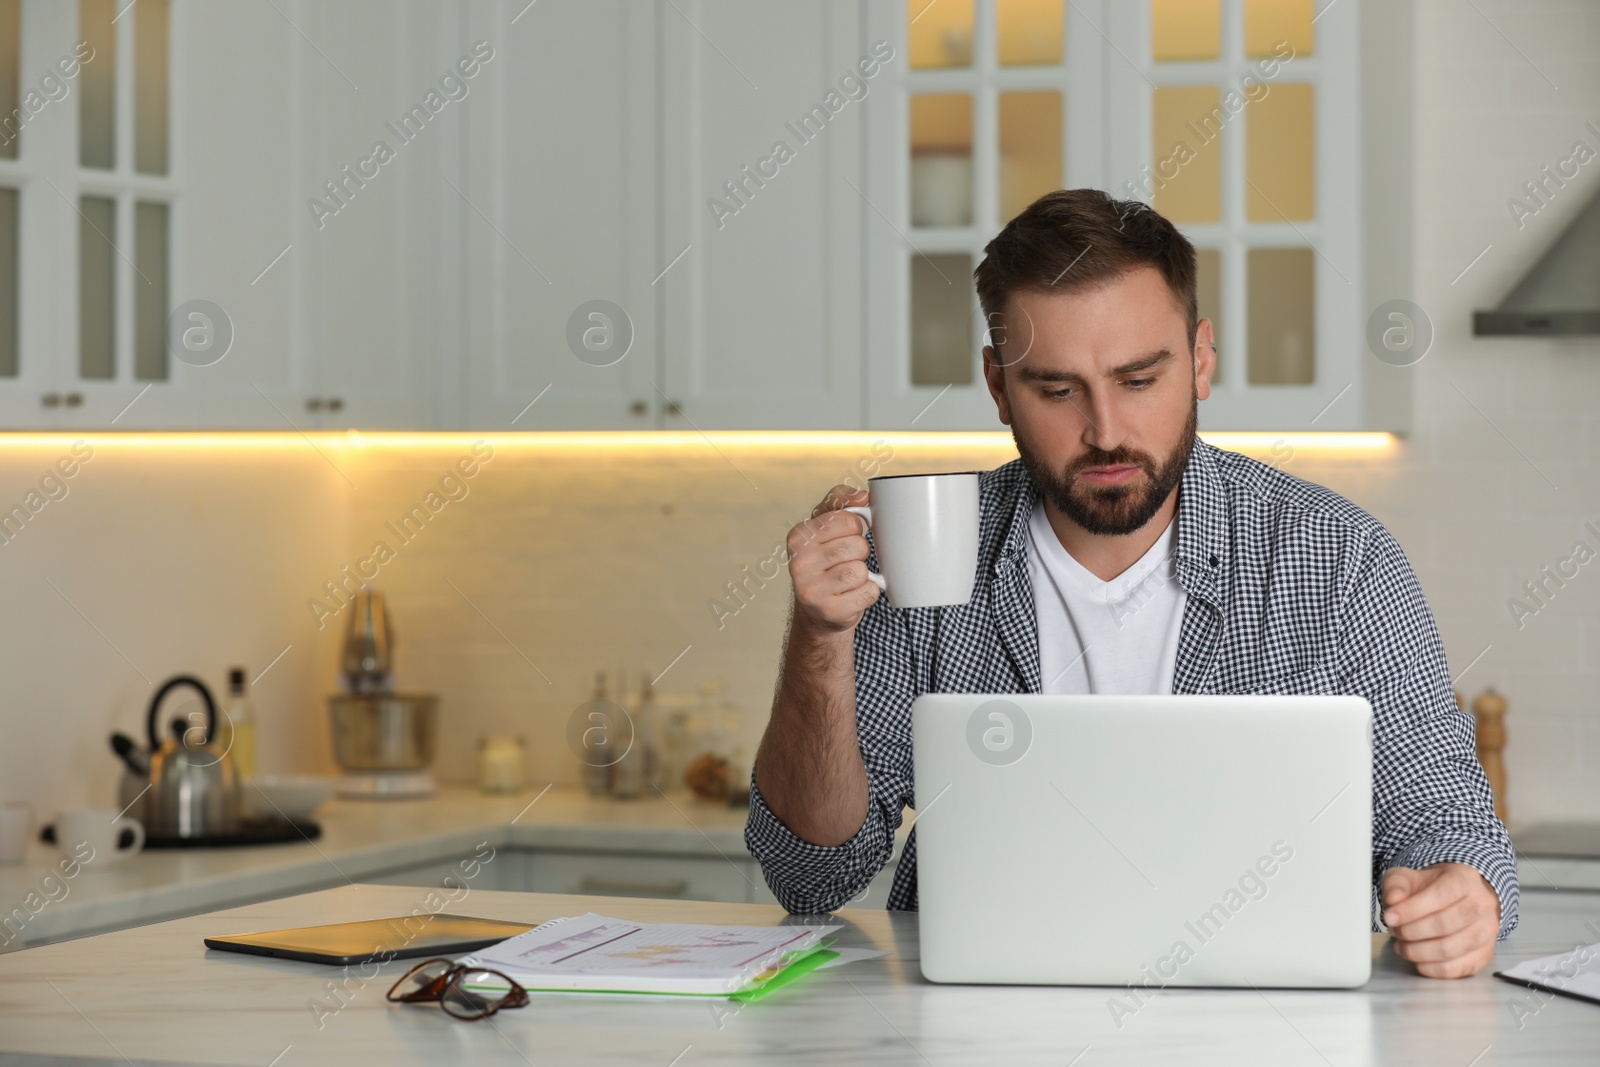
(1153, 840)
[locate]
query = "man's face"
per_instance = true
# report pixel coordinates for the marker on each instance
(1101, 392)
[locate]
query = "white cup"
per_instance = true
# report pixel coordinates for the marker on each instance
(101, 830)
(16, 823)
(925, 530)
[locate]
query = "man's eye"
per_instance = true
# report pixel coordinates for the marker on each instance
(1137, 383)
(1059, 394)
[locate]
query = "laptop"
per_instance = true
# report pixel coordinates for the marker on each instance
(1158, 841)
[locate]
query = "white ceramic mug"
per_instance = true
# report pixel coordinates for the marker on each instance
(100, 829)
(925, 530)
(16, 823)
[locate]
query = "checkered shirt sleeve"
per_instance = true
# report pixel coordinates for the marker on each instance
(1431, 801)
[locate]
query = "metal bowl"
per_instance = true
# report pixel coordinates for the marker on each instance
(385, 731)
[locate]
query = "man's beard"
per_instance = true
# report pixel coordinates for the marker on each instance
(1112, 510)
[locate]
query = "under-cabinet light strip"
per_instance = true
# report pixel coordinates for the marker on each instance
(1251, 441)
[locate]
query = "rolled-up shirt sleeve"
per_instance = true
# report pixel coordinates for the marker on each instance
(1431, 800)
(812, 879)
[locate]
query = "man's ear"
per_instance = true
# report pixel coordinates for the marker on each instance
(1205, 359)
(995, 376)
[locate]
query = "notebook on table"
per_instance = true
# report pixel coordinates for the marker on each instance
(597, 954)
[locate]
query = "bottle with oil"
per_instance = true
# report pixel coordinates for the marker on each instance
(237, 729)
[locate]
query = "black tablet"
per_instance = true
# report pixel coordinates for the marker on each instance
(379, 940)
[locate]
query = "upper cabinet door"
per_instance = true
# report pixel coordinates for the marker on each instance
(1240, 120)
(556, 198)
(383, 105)
(989, 104)
(238, 333)
(758, 271)
(94, 227)
(34, 279)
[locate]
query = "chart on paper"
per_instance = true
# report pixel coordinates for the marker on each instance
(595, 944)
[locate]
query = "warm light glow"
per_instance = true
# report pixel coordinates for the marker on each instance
(647, 439)
(1254, 441)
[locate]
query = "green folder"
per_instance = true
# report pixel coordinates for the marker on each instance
(804, 963)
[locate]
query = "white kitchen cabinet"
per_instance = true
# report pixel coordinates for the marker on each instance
(380, 284)
(505, 871)
(601, 231)
(332, 268)
(940, 159)
(1241, 122)
(557, 208)
(621, 875)
(762, 209)
(49, 389)
(735, 879)
(744, 318)
(1249, 137)
(331, 326)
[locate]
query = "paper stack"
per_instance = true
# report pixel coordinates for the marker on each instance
(597, 954)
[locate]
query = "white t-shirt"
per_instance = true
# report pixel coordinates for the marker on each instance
(1119, 636)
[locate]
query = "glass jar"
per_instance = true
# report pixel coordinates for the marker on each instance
(501, 759)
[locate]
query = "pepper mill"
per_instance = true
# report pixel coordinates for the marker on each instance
(1489, 712)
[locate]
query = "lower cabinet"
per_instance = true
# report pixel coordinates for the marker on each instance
(734, 880)
(504, 870)
(666, 877)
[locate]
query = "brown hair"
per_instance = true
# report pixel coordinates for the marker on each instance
(1082, 238)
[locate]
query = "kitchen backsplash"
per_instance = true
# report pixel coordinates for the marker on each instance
(516, 569)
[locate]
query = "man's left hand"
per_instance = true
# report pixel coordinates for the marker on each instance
(1443, 918)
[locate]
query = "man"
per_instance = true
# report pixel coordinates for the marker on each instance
(1120, 554)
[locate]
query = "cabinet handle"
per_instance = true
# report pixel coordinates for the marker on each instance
(614, 887)
(639, 407)
(74, 400)
(673, 408)
(314, 404)
(51, 400)
(336, 403)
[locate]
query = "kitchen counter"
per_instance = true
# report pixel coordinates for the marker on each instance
(156, 994)
(360, 840)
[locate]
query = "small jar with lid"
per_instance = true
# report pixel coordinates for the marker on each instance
(500, 763)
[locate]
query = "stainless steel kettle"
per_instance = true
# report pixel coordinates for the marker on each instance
(194, 788)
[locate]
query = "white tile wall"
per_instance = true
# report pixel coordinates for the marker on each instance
(562, 563)
(155, 562)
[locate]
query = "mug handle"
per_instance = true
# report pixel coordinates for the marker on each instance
(129, 823)
(866, 516)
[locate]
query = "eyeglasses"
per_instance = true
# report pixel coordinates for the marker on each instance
(465, 992)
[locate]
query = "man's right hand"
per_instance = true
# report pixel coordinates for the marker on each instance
(828, 565)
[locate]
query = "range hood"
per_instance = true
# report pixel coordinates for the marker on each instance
(1560, 296)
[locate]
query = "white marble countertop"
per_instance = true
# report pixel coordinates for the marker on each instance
(360, 839)
(155, 994)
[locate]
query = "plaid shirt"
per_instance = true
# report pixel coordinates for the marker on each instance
(1291, 588)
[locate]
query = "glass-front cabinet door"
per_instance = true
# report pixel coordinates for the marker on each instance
(992, 103)
(1237, 119)
(86, 198)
